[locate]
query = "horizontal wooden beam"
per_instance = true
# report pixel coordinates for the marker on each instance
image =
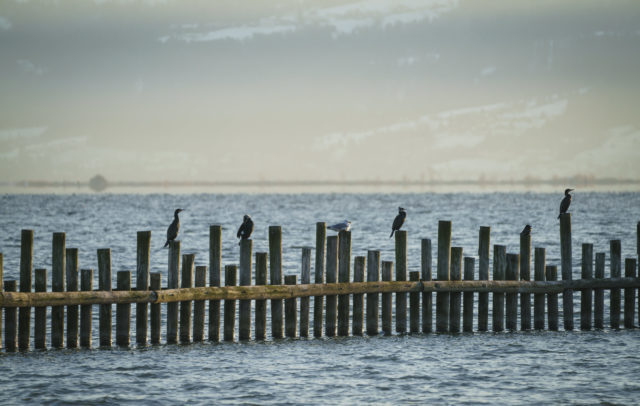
(41, 299)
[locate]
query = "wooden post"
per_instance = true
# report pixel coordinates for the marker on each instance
(586, 295)
(72, 286)
(598, 294)
(512, 274)
(57, 285)
(332, 277)
(629, 293)
(86, 311)
(229, 305)
(123, 311)
(185, 306)
(484, 248)
(444, 257)
(456, 297)
(616, 268)
(467, 313)
(358, 298)
(215, 250)
(344, 275)
(387, 271)
(261, 305)
(538, 299)
(291, 311)
(525, 275)
(198, 305)
(427, 297)
(244, 319)
(40, 322)
(318, 301)
(499, 272)
(414, 305)
(173, 282)
(104, 283)
(10, 320)
(155, 316)
(142, 283)
(401, 275)
(275, 268)
(373, 275)
(567, 275)
(305, 279)
(1, 289)
(552, 299)
(26, 270)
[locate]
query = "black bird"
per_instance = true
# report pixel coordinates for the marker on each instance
(398, 221)
(526, 230)
(174, 227)
(246, 228)
(564, 205)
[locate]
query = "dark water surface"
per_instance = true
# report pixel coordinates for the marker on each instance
(515, 368)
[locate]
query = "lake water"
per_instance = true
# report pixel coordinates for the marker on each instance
(515, 368)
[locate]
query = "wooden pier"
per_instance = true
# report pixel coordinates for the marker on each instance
(352, 296)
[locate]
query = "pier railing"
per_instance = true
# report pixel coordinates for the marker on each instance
(339, 297)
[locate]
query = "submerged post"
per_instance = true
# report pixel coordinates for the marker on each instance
(358, 298)
(444, 256)
(499, 272)
(525, 275)
(244, 330)
(215, 250)
(538, 298)
(552, 299)
(40, 319)
(616, 268)
(332, 277)
(155, 316)
(261, 305)
(401, 275)
(344, 275)
(373, 275)
(484, 248)
(467, 312)
(318, 301)
(198, 305)
(185, 306)
(72, 286)
(512, 274)
(565, 254)
(275, 267)
(291, 309)
(387, 270)
(173, 280)
(123, 311)
(629, 293)
(427, 297)
(305, 279)
(456, 297)
(598, 294)
(86, 311)
(586, 296)
(57, 285)
(104, 284)
(230, 276)
(10, 320)
(414, 305)
(26, 270)
(142, 283)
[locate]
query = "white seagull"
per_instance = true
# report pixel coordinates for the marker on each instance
(345, 225)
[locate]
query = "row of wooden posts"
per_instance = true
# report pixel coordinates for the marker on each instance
(339, 306)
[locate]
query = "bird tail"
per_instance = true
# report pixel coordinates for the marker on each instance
(559, 215)
(166, 244)
(392, 231)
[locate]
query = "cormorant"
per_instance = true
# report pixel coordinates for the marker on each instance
(398, 221)
(246, 228)
(526, 230)
(174, 227)
(345, 225)
(564, 205)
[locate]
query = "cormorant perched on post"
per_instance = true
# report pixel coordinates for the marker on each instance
(564, 205)
(246, 228)
(174, 227)
(398, 221)
(526, 230)
(345, 225)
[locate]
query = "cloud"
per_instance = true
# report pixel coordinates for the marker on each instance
(30, 67)
(241, 33)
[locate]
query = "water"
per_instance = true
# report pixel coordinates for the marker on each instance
(515, 368)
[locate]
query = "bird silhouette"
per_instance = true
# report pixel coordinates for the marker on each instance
(526, 230)
(246, 228)
(174, 227)
(398, 221)
(564, 205)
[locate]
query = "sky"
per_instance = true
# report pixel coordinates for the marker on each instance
(150, 90)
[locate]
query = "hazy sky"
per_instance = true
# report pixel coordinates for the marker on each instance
(249, 90)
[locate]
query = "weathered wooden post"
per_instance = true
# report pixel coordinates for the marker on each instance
(538, 299)
(40, 319)
(261, 305)
(155, 316)
(373, 275)
(567, 275)
(173, 282)
(586, 296)
(444, 257)
(344, 276)
(291, 309)
(86, 311)
(57, 285)
(467, 312)
(499, 272)
(512, 274)
(244, 319)
(629, 293)
(456, 297)
(230, 272)
(185, 305)
(414, 305)
(215, 250)
(358, 298)
(123, 311)
(332, 277)
(198, 305)
(427, 297)
(318, 301)
(104, 284)
(10, 320)
(525, 275)
(552, 299)
(142, 283)
(616, 268)
(484, 248)
(401, 275)
(26, 270)
(387, 311)
(598, 294)
(275, 267)
(305, 279)
(72, 274)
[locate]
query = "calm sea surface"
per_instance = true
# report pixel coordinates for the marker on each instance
(516, 368)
